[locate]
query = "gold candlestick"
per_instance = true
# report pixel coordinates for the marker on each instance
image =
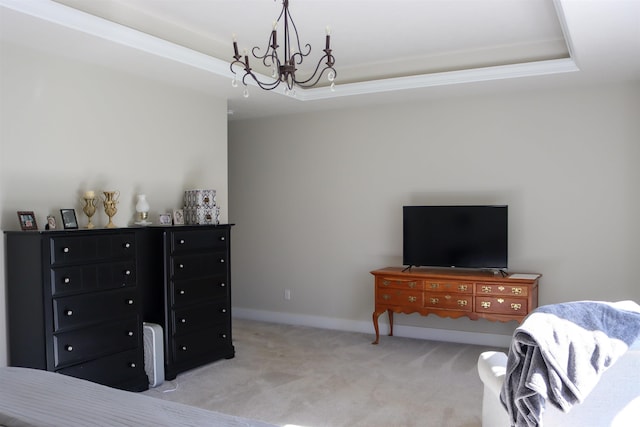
(89, 209)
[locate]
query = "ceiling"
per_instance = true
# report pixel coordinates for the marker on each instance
(385, 51)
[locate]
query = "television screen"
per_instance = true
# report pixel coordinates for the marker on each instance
(455, 236)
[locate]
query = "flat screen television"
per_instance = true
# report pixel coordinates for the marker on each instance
(455, 236)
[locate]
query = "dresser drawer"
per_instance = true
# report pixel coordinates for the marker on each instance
(396, 297)
(84, 309)
(502, 305)
(189, 240)
(202, 317)
(395, 283)
(191, 346)
(449, 301)
(93, 342)
(449, 286)
(501, 289)
(75, 249)
(110, 370)
(185, 292)
(92, 277)
(198, 265)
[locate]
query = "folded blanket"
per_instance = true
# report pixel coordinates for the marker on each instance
(559, 353)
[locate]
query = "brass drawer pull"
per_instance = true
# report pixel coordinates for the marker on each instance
(501, 288)
(386, 283)
(516, 291)
(462, 302)
(413, 299)
(434, 300)
(485, 304)
(386, 297)
(515, 306)
(435, 285)
(486, 289)
(462, 287)
(500, 300)
(411, 284)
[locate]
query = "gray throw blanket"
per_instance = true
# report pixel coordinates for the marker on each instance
(559, 353)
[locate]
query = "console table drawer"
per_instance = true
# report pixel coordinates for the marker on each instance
(501, 289)
(447, 301)
(397, 297)
(502, 305)
(385, 283)
(444, 286)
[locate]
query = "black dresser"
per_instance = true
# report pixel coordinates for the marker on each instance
(190, 296)
(74, 305)
(77, 299)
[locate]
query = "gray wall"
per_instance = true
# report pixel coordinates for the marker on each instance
(67, 127)
(318, 199)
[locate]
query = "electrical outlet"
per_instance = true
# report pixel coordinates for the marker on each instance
(287, 294)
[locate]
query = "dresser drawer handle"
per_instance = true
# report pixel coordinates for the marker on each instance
(412, 284)
(127, 272)
(127, 245)
(130, 333)
(462, 287)
(386, 297)
(224, 336)
(65, 250)
(486, 289)
(130, 302)
(500, 300)
(181, 292)
(386, 283)
(69, 348)
(462, 302)
(413, 299)
(222, 285)
(485, 304)
(434, 300)
(501, 288)
(181, 241)
(132, 365)
(515, 306)
(180, 265)
(68, 313)
(183, 320)
(66, 280)
(435, 285)
(224, 310)
(183, 348)
(221, 260)
(222, 238)
(516, 291)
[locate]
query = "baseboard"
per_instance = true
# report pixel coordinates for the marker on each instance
(475, 338)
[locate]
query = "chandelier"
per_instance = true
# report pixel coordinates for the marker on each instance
(284, 67)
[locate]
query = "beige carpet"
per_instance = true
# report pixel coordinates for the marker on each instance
(300, 376)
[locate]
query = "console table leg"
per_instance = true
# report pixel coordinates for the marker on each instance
(376, 314)
(390, 313)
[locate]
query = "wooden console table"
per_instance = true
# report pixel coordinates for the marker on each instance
(453, 293)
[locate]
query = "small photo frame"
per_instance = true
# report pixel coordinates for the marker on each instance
(51, 223)
(69, 220)
(165, 219)
(27, 220)
(178, 217)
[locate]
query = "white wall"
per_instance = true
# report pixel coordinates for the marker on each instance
(67, 127)
(318, 198)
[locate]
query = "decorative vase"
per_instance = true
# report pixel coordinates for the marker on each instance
(110, 201)
(89, 209)
(142, 208)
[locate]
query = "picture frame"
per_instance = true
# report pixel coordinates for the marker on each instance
(27, 220)
(165, 219)
(69, 220)
(51, 223)
(178, 217)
